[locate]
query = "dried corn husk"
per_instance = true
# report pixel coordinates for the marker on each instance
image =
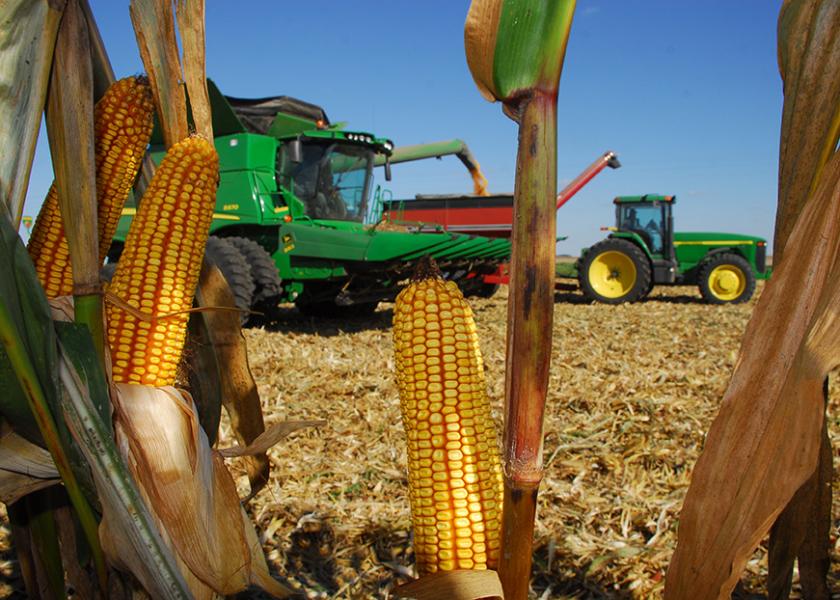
(24, 467)
(189, 491)
(24, 75)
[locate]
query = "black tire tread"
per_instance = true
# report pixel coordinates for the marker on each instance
(267, 282)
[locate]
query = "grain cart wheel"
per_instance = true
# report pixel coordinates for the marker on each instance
(614, 271)
(267, 284)
(235, 269)
(726, 279)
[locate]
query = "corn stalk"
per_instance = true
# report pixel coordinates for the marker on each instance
(769, 437)
(515, 52)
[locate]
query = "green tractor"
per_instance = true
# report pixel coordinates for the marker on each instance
(643, 250)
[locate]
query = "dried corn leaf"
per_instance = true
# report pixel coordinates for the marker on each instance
(220, 341)
(175, 468)
(70, 131)
(461, 584)
(28, 39)
(190, 15)
(809, 52)
(24, 467)
(154, 27)
(764, 443)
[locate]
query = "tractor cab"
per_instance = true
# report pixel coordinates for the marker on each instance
(648, 217)
(648, 222)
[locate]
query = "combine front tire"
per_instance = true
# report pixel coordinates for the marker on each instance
(268, 287)
(614, 271)
(233, 266)
(726, 279)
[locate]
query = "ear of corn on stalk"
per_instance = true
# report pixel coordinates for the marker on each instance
(158, 270)
(184, 481)
(123, 120)
(455, 481)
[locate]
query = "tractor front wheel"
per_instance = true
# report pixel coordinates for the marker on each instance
(614, 271)
(726, 279)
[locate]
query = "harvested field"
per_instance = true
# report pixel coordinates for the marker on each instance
(633, 389)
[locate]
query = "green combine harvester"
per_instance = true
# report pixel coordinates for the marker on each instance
(643, 250)
(297, 218)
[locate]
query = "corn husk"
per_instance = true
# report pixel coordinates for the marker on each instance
(24, 467)
(189, 492)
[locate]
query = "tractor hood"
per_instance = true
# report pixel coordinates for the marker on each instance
(711, 238)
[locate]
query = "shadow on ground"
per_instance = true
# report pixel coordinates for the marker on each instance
(288, 319)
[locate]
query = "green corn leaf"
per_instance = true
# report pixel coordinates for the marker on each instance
(78, 346)
(31, 326)
(515, 48)
(40, 508)
(29, 342)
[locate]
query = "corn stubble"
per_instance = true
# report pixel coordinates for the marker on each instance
(122, 122)
(455, 481)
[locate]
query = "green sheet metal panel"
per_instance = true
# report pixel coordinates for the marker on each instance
(691, 247)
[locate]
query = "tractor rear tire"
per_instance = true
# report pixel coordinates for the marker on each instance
(614, 271)
(268, 287)
(234, 267)
(726, 279)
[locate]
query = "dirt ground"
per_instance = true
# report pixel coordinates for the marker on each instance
(632, 392)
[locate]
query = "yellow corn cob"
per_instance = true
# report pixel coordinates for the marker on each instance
(158, 270)
(455, 481)
(123, 120)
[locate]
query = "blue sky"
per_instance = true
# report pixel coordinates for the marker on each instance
(686, 92)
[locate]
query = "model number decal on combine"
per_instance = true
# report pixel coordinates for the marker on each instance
(230, 207)
(288, 242)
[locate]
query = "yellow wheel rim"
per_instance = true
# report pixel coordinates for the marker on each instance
(612, 274)
(727, 282)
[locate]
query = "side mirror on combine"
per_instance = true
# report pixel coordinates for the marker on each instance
(296, 151)
(387, 169)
